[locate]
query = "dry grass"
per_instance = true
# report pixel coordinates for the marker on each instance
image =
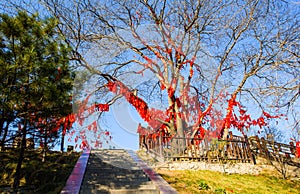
(37, 176)
(188, 182)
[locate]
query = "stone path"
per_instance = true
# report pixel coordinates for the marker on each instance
(120, 172)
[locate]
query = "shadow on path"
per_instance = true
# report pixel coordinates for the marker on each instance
(114, 171)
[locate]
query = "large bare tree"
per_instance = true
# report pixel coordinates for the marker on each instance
(246, 48)
(206, 58)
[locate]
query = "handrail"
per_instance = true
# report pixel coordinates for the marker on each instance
(75, 179)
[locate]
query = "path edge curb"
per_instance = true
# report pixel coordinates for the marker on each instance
(74, 181)
(162, 185)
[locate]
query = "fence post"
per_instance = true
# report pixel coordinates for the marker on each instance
(260, 151)
(292, 148)
(249, 151)
(265, 149)
(229, 146)
(140, 141)
(234, 148)
(160, 145)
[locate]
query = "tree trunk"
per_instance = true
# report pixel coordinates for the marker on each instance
(4, 135)
(62, 142)
(225, 134)
(1, 126)
(180, 123)
(20, 159)
(45, 146)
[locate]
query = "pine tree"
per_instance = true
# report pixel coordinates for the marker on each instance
(36, 79)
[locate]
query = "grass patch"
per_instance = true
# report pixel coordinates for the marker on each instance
(188, 182)
(37, 176)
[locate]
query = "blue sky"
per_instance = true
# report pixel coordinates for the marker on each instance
(122, 119)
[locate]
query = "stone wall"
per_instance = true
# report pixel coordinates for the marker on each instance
(262, 166)
(230, 168)
(234, 168)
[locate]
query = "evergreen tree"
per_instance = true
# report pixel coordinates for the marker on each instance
(36, 79)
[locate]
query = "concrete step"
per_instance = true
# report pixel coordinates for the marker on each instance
(96, 176)
(102, 169)
(114, 171)
(117, 182)
(147, 185)
(134, 191)
(99, 188)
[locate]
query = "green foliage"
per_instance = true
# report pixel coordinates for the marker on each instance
(220, 191)
(203, 185)
(35, 62)
(36, 79)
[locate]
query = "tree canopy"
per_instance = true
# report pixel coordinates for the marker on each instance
(36, 79)
(211, 61)
(214, 65)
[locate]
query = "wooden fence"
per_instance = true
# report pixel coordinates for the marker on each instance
(210, 150)
(16, 143)
(235, 148)
(274, 151)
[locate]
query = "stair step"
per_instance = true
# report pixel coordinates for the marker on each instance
(134, 191)
(119, 170)
(117, 182)
(114, 171)
(115, 175)
(120, 179)
(99, 187)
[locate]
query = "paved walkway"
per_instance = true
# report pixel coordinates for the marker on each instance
(115, 171)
